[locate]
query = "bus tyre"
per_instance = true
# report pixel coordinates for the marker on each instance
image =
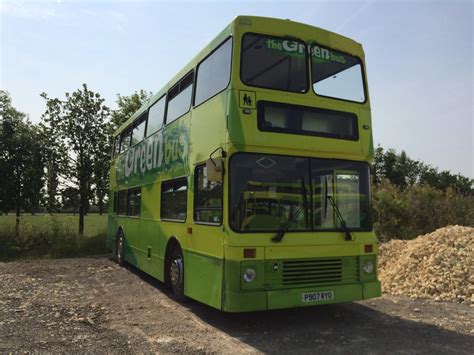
(119, 249)
(176, 274)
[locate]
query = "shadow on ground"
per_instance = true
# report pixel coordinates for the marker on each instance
(342, 328)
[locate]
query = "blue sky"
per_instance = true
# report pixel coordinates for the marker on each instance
(419, 57)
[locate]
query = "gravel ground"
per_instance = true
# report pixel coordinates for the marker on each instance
(92, 305)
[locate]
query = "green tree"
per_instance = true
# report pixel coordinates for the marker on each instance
(55, 150)
(101, 169)
(34, 170)
(8, 116)
(404, 172)
(444, 180)
(70, 199)
(127, 106)
(377, 165)
(80, 122)
(399, 169)
(21, 160)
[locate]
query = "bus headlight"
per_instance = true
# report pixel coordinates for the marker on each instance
(368, 267)
(249, 275)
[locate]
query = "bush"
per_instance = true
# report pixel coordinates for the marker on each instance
(416, 210)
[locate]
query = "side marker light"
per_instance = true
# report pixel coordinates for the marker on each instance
(250, 253)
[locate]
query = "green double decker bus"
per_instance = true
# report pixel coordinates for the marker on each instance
(244, 183)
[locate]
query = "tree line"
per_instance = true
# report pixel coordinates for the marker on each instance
(62, 163)
(404, 172)
(411, 198)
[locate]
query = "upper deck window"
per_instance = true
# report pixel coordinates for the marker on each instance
(213, 73)
(336, 74)
(274, 63)
(125, 139)
(138, 129)
(156, 114)
(179, 98)
(116, 146)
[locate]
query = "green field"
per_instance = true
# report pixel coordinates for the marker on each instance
(52, 236)
(94, 224)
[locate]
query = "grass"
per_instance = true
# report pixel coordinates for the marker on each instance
(42, 223)
(53, 236)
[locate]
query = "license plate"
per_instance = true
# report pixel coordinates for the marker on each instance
(317, 296)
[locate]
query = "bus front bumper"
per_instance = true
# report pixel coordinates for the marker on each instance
(247, 301)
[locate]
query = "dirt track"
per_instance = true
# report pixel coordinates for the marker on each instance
(92, 305)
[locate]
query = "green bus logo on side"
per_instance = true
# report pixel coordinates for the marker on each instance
(160, 151)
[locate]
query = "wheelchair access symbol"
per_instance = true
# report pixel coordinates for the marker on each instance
(247, 99)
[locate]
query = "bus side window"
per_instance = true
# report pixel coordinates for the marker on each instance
(125, 139)
(174, 199)
(139, 129)
(133, 202)
(207, 197)
(122, 202)
(116, 146)
(156, 115)
(179, 98)
(213, 74)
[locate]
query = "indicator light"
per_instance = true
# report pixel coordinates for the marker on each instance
(250, 253)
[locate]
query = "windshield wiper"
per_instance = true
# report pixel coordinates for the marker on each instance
(284, 226)
(348, 235)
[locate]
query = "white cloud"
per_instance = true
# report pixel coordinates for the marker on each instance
(118, 20)
(362, 8)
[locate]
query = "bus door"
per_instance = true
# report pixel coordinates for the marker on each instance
(205, 240)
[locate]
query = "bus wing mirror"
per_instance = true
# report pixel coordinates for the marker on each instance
(214, 168)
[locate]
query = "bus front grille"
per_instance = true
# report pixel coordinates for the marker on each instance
(320, 271)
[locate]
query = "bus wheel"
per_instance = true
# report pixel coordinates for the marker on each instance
(176, 274)
(119, 249)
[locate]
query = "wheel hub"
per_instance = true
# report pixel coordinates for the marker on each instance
(176, 271)
(120, 248)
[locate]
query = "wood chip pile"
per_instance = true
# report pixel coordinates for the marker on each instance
(438, 265)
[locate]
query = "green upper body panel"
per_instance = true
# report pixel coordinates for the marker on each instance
(242, 129)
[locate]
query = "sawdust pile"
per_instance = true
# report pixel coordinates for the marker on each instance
(438, 265)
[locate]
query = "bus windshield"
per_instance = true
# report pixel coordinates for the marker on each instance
(266, 190)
